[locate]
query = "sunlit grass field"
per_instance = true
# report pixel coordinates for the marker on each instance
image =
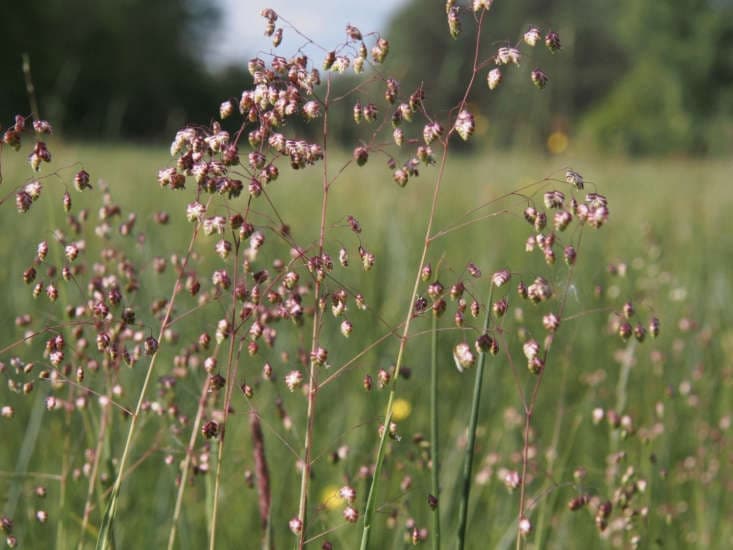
(669, 224)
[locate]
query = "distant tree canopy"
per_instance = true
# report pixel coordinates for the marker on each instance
(122, 68)
(632, 76)
(636, 77)
(678, 92)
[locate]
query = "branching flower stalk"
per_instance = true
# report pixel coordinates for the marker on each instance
(371, 498)
(529, 408)
(556, 463)
(61, 529)
(105, 532)
(315, 337)
(185, 467)
(231, 369)
(101, 438)
(627, 363)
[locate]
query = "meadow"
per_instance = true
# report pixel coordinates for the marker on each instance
(644, 425)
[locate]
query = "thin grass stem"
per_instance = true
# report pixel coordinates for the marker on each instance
(104, 538)
(434, 432)
(232, 366)
(371, 497)
(315, 338)
(471, 439)
(98, 451)
(186, 466)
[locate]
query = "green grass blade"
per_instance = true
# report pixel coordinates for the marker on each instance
(434, 451)
(470, 445)
(104, 540)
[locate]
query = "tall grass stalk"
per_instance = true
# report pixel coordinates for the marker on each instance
(434, 432)
(530, 405)
(232, 368)
(34, 429)
(30, 440)
(315, 336)
(553, 463)
(187, 464)
(102, 437)
(471, 436)
(623, 378)
(104, 538)
(371, 498)
(61, 536)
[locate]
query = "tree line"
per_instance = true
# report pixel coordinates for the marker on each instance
(632, 77)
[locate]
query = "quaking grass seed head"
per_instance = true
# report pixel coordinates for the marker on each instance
(494, 78)
(552, 41)
(463, 357)
(465, 124)
(295, 525)
(539, 78)
(532, 36)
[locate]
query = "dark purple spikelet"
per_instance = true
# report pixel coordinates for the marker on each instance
(654, 326)
(625, 330)
(539, 78)
(210, 429)
(552, 41)
(361, 155)
(81, 180)
(150, 345)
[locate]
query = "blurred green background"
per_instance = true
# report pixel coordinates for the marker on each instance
(640, 101)
(668, 221)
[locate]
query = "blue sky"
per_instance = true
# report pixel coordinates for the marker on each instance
(322, 20)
